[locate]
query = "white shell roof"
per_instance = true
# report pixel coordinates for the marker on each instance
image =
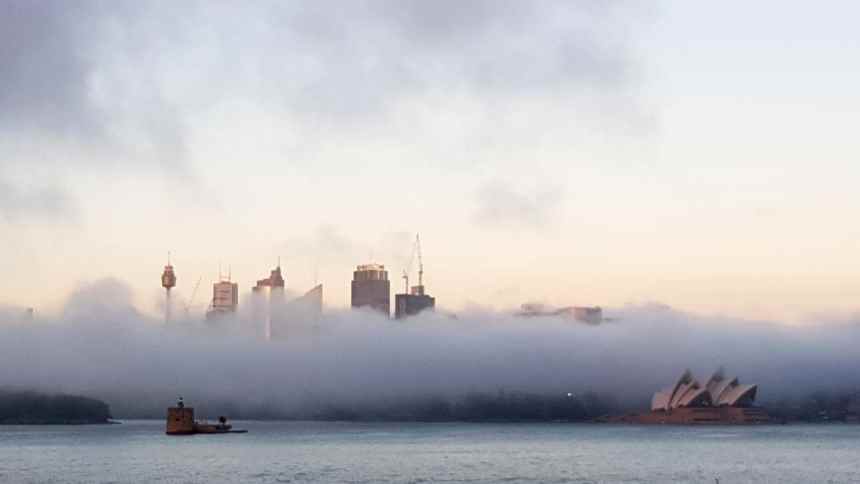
(698, 396)
(660, 401)
(718, 391)
(738, 393)
(716, 379)
(721, 389)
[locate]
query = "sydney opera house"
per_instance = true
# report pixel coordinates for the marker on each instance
(721, 400)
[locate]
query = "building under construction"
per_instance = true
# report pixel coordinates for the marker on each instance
(413, 300)
(412, 303)
(371, 288)
(225, 299)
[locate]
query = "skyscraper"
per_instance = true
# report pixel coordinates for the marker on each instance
(412, 303)
(370, 288)
(225, 299)
(268, 298)
(300, 316)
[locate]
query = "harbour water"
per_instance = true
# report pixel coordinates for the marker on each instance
(138, 451)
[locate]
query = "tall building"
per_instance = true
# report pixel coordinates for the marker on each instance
(275, 279)
(588, 314)
(582, 314)
(225, 299)
(300, 316)
(413, 300)
(268, 296)
(312, 301)
(412, 303)
(370, 288)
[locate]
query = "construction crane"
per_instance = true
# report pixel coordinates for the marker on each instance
(191, 300)
(416, 251)
(420, 286)
(406, 274)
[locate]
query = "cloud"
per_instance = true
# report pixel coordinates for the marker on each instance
(327, 242)
(43, 48)
(361, 57)
(64, 88)
(15, 314)
(102, 347)
(110, 298)
(499, 205)
(329, 246)
(26, 204)
(92, 67)
(118, 87)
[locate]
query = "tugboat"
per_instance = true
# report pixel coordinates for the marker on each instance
(180, 421)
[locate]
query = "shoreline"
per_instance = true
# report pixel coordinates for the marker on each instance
(429, 422)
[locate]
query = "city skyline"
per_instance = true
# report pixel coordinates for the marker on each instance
(573, 154)
(632, 215)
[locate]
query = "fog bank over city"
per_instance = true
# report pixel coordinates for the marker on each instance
(101, 346)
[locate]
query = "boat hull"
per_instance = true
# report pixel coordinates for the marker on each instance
(180, 421)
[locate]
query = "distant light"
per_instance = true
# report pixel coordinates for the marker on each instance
(569, 394)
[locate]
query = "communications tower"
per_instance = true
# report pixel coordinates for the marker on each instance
(168, 282)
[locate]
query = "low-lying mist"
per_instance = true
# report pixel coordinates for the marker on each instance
(100, 346)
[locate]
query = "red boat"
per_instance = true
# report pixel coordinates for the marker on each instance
(180, 421)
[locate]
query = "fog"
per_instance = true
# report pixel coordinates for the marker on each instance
(101, 346)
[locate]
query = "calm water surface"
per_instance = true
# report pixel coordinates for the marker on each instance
(138, 451)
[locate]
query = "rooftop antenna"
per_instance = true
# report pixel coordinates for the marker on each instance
(420, 262)
(316, 269)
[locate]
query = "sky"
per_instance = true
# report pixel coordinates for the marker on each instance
(697, 154)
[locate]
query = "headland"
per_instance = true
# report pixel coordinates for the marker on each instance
(25, 407)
